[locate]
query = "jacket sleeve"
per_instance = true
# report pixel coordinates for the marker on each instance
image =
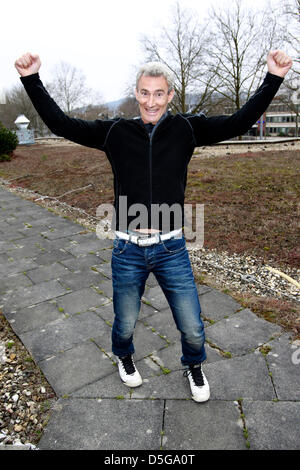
(209, 130)
(88, 133)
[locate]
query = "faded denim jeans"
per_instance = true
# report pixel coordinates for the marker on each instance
(169, 261)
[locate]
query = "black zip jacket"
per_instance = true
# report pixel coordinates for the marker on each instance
(150, 169)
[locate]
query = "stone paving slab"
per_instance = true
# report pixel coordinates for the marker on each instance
(155, 297)
(33, 244)
(60, 232)
(109, 386)
(151, 281)
(241, 377)
(13, 281)
(32, 228)
(86, 277)
(34, 316)
(24, 250)
(105, 269)
(193, 426)
(164, 386)
(88, 236)
(78, 366)
(284, 365)
(3, 258)
(241, 332)
(272, 425)
(44, 219)
(4, 244)
(81, 300)
(105, 255)
(14, 267)
(25, 296)
(105, 286)
(13, 235)
(51, 256)
(47, 273)
(162, 323)
(110, 427)
(82, 261)
(216, 305)
(85, 247)
(62, 334)
(146, 311)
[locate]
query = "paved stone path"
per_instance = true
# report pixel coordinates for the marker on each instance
(56, 293)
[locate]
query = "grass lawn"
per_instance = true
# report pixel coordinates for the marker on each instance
(251, 203)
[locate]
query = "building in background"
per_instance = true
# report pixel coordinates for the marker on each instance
(281, 119)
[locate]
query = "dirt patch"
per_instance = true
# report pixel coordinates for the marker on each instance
(251, 203)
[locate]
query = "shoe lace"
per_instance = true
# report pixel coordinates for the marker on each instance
(128, 364)
(196, 373)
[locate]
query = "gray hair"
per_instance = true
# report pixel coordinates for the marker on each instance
(156, 69)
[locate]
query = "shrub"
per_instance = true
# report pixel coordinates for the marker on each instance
(8, 143)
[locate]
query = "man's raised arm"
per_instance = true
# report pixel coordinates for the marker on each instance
(209, 130)
(88, 133)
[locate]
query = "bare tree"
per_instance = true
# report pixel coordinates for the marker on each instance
(291, 15)
(181, 47)
(92, 112)
(17, 102)
(69, 87)
(288, 13)
(242, 39)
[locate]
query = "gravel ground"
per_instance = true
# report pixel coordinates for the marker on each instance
(230, 149)
(244, 273)
(219, 149)
(25, 395)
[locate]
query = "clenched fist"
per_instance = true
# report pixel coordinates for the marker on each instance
(279, 63)
(28, 64)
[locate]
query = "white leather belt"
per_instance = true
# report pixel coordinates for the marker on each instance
(146, 240)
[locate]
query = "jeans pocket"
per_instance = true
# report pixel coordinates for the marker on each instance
(174, 245)
(119, 246)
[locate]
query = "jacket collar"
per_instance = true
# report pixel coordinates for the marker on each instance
(151, 127)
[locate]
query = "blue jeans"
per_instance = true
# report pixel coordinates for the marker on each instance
(169, 261)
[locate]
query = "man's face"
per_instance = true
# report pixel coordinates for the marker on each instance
(153, 98)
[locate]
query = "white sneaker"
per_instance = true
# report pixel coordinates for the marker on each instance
(198, 383)
(128, 372)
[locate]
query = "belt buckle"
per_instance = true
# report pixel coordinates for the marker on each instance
(148, 241)
(144, 241)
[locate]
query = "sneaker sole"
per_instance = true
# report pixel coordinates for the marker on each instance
(200, 400)
(137, 384)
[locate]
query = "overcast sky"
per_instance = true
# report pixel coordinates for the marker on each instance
(99, 37)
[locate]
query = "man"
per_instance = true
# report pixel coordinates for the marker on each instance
(149, 158)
